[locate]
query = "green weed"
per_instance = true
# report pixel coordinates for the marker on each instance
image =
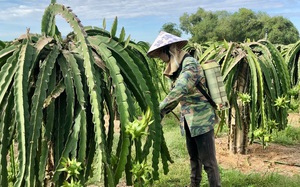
(288, 136)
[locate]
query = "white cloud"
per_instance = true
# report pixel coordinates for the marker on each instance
(13, 11)
(234, 5)
(99, 9)
(93, 9)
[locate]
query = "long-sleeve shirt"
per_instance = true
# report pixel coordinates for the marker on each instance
(197, 111)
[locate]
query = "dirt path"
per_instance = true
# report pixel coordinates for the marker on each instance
(274, 158)
(259, 159)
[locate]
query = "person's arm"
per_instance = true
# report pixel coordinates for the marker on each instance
(185, 81)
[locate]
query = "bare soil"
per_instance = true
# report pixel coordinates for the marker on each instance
(274, 158)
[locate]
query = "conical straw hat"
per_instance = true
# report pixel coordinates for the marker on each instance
(162, 40)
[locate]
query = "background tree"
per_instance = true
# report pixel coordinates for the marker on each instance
(244, 24)
(172, 28)
(200, 25)
(281, 30)
(238, 27)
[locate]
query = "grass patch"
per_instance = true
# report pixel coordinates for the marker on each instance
(288, 136)
(233, 178)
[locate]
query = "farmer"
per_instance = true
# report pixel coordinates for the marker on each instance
(197, 115)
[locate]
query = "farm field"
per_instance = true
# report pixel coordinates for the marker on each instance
(275, 159)
(56, 92)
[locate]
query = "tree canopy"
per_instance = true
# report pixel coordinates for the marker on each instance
(172, 28)
(240, 26)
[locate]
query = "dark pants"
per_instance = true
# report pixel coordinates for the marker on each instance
(202, 152)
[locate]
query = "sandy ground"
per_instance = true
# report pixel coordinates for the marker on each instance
(274, 158)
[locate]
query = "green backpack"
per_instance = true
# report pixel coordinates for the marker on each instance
(216, 93)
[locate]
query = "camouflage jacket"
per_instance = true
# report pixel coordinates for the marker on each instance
(197, 111)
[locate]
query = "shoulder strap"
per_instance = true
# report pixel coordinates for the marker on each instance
(200, 88)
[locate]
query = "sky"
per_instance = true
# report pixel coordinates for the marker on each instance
(141, 19)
